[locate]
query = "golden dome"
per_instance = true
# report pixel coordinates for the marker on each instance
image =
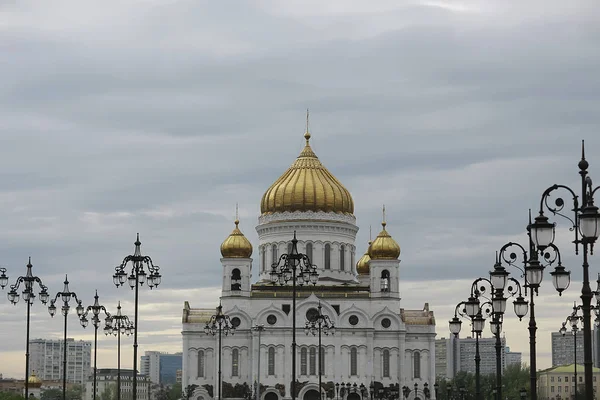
(307, 186)
(236, 245)
(362, 266)
(34, 381)
(384, 247)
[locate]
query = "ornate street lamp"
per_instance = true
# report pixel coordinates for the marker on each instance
(96, 309)
(117, 324)
(498, 282)
(475, 312)
(28, 281)
(258, 328)
(316, 324)
(3, 278)
(573, 320)
(294, 267)
(585, 224)
(219, 323)
(136, 278)
(66, 295)
(532, 270)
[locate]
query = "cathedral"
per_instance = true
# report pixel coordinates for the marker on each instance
(377, 349)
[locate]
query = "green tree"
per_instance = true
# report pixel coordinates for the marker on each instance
(109, 392)
(11, 396)
(175, 391)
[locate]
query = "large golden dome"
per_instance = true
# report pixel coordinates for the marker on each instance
(307, 186)
(236, 245)
(362, 266)
(384, 247)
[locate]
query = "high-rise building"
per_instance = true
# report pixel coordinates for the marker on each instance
(512, 357)
(447, 357)
(563, 348)
(160, 367)
(46, 359)
(487, 352)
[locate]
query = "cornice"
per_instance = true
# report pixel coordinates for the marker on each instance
(306, 216)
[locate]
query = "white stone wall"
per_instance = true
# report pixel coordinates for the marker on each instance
(368, 336)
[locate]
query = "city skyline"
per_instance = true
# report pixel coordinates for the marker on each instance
(158, 118)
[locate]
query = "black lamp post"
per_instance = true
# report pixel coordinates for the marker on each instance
(319, 323)
(573, 321)
(533, 271)
(497, 284)
(96, 309)
(472, 309)
(219, 323)
(294, 267)
(585, 223)
(66, 295)
(117, 324)
(28, 282)
(136, 278)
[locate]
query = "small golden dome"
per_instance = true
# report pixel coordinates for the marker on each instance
(307, 186)
(34, 381)
(362, 266)
(384, 247)
(236, 245)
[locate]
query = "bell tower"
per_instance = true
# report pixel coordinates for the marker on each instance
(237, 264)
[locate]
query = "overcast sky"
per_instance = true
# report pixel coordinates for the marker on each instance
(157, 116)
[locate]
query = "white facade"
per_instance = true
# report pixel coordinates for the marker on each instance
(375, 339)
(46, 359)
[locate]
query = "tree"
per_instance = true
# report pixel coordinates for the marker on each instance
(175, 392)
(11, 396)
(109, 392)
(51, 394)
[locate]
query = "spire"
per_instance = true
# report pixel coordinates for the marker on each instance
(237, 215)
(383, 223)
(307, 133)
(583, 164)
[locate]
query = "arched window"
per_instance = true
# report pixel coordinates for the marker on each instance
(352, 263)
(289, 248)
(353, 361)
(386, 363)
(417, 365)
(274, 253)
(313, 360)
(342, 254)
(303, 361)
(271, 362)
(385, 280)
(201, 364)
(309, 252)
(264, 258)
(235, 362)
(236, 279)
(327, 256)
